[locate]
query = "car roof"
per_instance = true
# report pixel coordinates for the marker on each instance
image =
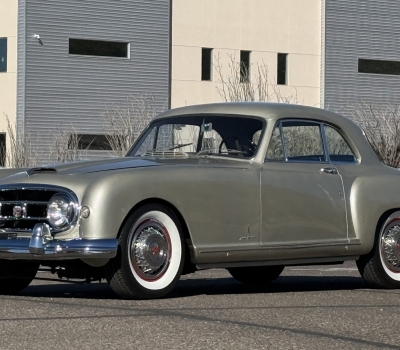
(276, 111)
(266, 110)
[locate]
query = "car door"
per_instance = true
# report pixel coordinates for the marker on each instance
(301, 191)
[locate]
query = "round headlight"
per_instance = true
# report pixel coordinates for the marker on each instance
(60, 210)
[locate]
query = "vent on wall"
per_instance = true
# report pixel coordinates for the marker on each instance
(98, 48)
(378, 67)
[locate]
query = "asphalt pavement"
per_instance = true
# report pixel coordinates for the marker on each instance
(308, 307)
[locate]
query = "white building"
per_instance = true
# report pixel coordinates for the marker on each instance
(329, 53)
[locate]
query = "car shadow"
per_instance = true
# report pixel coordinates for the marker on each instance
(204, 286)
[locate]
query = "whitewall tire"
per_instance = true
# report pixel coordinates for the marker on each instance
(381, 268)
(151, 254)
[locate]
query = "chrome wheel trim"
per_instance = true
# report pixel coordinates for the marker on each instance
(150, 250)
(389, 247)
(168, 273)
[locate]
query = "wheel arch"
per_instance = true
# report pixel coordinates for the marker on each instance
(379, 225)
(189, 258)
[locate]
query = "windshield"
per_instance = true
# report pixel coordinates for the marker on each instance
(201, 135)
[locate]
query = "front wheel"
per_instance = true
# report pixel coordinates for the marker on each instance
(381, 268)
(257, 276)
(150, 255)
(16, 275)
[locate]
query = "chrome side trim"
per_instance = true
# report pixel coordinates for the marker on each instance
(291, 262)
(343, 242)
(41, 246)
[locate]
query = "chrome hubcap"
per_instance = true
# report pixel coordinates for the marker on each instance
(150, 250)
(390, 247)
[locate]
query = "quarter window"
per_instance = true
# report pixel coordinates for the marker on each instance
(338, 149)
(275, 148)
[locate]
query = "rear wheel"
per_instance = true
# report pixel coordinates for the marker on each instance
(381, 268)
(257, 276)
(16, 275)
(150, 255)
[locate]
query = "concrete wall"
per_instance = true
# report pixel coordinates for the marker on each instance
(264, 27)
(8, 80)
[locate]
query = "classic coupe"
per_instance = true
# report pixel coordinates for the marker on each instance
(250, 187)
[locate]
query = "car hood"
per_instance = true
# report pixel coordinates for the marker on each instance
(91, 166)
(103, 165)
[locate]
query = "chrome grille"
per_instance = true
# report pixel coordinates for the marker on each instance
(22, 208)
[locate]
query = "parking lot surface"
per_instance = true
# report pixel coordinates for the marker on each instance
(308, 307)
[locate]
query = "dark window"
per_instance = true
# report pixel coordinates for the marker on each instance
(90, 142)
(303, 141)
(3, 54)
(378, 67)
(282, 70)
(245, 66)
(3, 150)
(206, 63)
(98, 48)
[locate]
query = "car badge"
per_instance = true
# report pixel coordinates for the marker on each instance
(17, 211)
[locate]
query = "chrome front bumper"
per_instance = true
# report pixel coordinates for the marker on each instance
(41, 246)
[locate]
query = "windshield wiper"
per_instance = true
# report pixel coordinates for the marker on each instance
(179, 146)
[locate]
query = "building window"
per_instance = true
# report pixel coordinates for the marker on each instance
(282, 69)
(245, 66)
(3, 54)
(89, 142)
(378, 67)
(206, 63)
(3, 149)
(98, 48)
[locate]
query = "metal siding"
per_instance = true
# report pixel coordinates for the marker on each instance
(63, 89)
(21, 66)
(360, 29)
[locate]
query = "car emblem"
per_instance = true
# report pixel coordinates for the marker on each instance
(17, 211)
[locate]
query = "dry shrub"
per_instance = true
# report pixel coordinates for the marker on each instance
(381, 125)
(239, 86)
(123, 124)
(21, 152)
(64, 146)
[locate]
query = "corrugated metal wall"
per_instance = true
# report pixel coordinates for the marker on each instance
(63, 89)
(360, 29)
(21, 65)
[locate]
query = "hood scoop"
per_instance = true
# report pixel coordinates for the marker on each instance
(34, 171)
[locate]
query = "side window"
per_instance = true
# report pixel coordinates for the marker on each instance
(303, 141)
(338, 149)
(275, 148)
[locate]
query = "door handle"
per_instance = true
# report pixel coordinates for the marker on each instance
(329, 170)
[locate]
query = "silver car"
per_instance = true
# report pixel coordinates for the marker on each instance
(250, 187)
